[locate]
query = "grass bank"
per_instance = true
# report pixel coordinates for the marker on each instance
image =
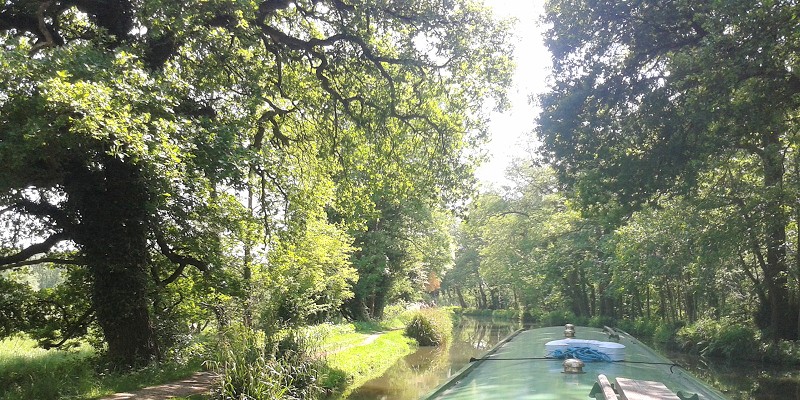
(29, 372)
(358, 353)
(348, 369)
(351, 355)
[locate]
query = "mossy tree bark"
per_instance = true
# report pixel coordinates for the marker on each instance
(112, 204)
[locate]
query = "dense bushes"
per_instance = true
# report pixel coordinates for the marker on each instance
(719, 338)
(430, 327)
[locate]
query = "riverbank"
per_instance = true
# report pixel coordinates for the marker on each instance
(29, 372)
(349, 355)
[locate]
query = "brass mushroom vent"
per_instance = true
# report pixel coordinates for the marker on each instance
(573, 366)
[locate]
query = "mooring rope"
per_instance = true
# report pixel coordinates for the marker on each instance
(588, 354)
(585, 354)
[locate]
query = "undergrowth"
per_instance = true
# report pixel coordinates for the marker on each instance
(430, 327)
(30, 372)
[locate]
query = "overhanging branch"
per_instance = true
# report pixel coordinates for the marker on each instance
(44, 260)
(179, 259)
(32, 250)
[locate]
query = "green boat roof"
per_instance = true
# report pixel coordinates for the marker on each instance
(517, 369)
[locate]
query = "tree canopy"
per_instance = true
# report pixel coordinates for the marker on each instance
(647, 97)
(163, 150)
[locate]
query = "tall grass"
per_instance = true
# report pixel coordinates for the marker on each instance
(253, 366)
(431, 327)
(29, 372)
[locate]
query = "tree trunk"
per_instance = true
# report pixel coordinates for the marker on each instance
(483, 302)
(111, 201)
(494, 296)
(782, 323)
(460, 296)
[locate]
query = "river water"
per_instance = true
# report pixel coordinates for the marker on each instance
(743, 380)
(422, 371)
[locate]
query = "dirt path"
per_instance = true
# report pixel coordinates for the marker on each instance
(198, 383)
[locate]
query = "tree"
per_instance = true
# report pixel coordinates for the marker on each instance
(645, 93)
(130, 130)
(406, 242)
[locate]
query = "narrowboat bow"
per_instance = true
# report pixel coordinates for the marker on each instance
(543, 364)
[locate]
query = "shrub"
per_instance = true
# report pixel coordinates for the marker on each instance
(430, 327)
(476, 312)
(736, 341)
(505, 314)
(249, 371)
(665, 333)
(782, 351)
(641, 328)
(556, 318)
(600, 321)
(723, 338)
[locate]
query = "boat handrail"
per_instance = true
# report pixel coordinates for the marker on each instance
(603, 386)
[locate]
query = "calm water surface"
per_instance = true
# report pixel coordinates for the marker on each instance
(420, 372)
(743, 380)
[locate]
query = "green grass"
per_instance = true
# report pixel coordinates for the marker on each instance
(351, 368)
(29, 372)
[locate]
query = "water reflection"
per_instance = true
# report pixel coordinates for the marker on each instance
(420, 372)
(744, 380)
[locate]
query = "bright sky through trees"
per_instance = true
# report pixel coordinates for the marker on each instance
(511, 131)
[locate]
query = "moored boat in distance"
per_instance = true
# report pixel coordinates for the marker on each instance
(616, 366)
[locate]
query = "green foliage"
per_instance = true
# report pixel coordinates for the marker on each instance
(249, 370)
(430, 327)
(28, 372)
(701, 125)
(599, 321)
(666, 334)
(350, 368)
(311, 277)
(505, 314)
(404, 248)
(494, 314)
(641, 328)
(156, 155)
(16, 301)
(723, 337)
(556, 318)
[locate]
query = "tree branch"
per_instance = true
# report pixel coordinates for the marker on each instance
(41, 261)
(79, 325)
(179, 259)
(32, 250)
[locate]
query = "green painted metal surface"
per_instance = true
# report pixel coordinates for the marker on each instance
(516, 370)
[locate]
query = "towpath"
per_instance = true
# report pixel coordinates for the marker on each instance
(198, 383)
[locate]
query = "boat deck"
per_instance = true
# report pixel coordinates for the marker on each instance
(517, 370)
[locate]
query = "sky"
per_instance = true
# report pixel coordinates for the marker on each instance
(511, 132)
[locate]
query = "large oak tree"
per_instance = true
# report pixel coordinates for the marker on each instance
(129, 130)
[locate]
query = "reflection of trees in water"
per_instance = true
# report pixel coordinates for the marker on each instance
(418, 373)
(481, 334)
(743, 380)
